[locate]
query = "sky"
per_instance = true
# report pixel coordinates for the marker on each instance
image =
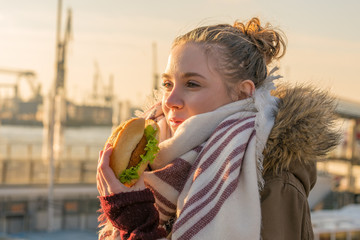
(323, 41)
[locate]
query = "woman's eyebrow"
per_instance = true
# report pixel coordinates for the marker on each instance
(166, 76)
(191, 74)
(184, 75)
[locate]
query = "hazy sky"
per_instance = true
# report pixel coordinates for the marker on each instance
(323, 40)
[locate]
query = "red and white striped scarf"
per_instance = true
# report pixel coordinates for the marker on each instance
(197, 177)
(208, 174)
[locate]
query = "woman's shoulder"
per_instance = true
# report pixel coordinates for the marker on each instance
(296, 182)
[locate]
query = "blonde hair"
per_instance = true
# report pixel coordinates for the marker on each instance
(243, 50)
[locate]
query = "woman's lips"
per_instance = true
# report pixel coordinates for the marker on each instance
(174, 123)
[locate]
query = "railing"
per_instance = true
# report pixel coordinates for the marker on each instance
(23, 164)
(36, 172)
(341, 234)
(337, 224)
(29, 151)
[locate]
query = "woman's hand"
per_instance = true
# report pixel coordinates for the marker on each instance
(107, 183)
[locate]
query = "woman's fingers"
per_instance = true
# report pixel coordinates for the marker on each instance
(101, 183)
(99, 160)
(107, 182)
(139, 185)
(107, 179)
(100, 155)
(106, 171)
(105, 156)
(104, 188)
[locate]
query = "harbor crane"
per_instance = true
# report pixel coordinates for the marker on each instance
(22, 74)
(60, 81)
(103, 92)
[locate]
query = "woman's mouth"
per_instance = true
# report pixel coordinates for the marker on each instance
(174, 123)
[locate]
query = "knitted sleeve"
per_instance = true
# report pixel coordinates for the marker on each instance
(134, 214)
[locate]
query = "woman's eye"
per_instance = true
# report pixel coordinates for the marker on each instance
(192, 84)
(166, 85)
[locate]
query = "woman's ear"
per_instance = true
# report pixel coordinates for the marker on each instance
(245, 89)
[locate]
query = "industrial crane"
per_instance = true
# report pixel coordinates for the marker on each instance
(22, 74)
(106, 94)
(61, 55)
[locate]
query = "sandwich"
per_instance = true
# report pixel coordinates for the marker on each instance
(135, 145)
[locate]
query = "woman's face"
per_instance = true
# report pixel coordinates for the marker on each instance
(191, 85)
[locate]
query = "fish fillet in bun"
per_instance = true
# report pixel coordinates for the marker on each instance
(135, 145)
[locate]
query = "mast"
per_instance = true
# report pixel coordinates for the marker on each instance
(53, 125)
(155, 73)
(50, 126)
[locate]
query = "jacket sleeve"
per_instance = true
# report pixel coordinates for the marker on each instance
(133, 214)
(285, 210)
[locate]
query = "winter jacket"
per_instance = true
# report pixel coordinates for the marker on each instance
(303, 133)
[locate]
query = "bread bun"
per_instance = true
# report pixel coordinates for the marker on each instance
(125, 140)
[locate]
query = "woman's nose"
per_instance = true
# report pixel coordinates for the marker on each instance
(174, 99)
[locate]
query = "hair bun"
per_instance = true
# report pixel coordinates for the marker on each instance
(267, 40)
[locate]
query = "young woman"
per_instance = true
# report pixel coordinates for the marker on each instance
(237, 155)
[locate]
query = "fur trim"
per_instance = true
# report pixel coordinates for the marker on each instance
(265, 105)
(304, 127)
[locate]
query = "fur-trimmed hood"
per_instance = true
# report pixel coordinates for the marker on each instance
(304, 129)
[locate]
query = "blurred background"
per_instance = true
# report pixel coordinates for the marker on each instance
(71, 70)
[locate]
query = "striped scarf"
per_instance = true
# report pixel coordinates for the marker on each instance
(197, 180)
(208, 175)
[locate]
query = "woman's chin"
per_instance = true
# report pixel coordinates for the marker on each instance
(174, 126)
(173, 130)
